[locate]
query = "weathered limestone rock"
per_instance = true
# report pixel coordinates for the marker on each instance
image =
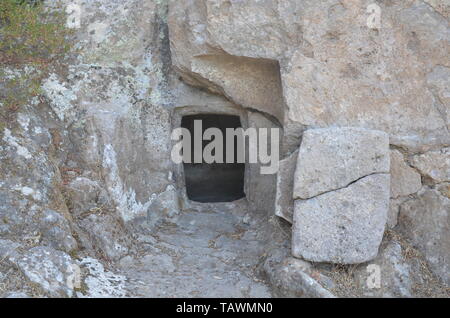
(56, 231)
(441, 6)
(336, 70)
(103, 26)
(85, 195)
(166, 205)
(19, 295)
(100, 282)
(8, 249)
(343, 226)
(256, 30)
(260, 188)
(404, 179)
(303, 64)
(389, 275)
(114, 96)
(332, 158)
(394, 210)
(444, 189)
(28, 176)
(295, 279)
(434, 164)
(291, 277)
(284, 202)
(48, 268)
(239, 79)
(357, 57)
(439, 83)
(425, 221)
(102, 229)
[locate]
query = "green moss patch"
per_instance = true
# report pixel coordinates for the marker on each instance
(31, 34)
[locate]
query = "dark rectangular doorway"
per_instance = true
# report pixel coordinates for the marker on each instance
(215, 182)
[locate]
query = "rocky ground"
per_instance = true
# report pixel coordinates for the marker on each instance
(201, 254)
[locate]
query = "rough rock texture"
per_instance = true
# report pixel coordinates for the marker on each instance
(209, 253)
(236, 75)
(32, 209)
(56, 230)
(434, 165)
(343, 226)
(101, 283)
(327, 52)
(87, 155)
(259, 188)
(394, 274)
(164, 206)
(296, 278)
(8, 249)
(284, 202)
(404, 179)
(333, 158)
(394, 210)
(47, 268)
(115, 103)
(340, 187)
(263, 95)
(441, 6)
(425, 221)
(86, 176)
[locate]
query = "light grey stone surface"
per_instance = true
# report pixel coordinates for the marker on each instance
(16, 295)
(332, 158)
(260, 188)
(8, 249)
(394, 210)
(425, 221)
(284, 202)
(165, 205)
(100, 282)
(389, 275)
(57, 232)
(85, 194)
(335, 69)
(434, 165)
(404, 179)
(48, 268)
(295, 278)
(87, 157)
(343, 226)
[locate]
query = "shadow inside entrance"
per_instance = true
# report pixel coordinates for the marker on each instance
(216, 182)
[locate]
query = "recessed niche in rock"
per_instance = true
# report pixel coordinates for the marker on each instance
(213, 182)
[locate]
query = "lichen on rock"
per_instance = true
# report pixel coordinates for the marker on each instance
(88, 187)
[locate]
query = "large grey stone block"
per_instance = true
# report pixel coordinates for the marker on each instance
(332, 158)
(345, 226)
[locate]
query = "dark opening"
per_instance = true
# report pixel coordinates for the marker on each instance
(215, 182)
